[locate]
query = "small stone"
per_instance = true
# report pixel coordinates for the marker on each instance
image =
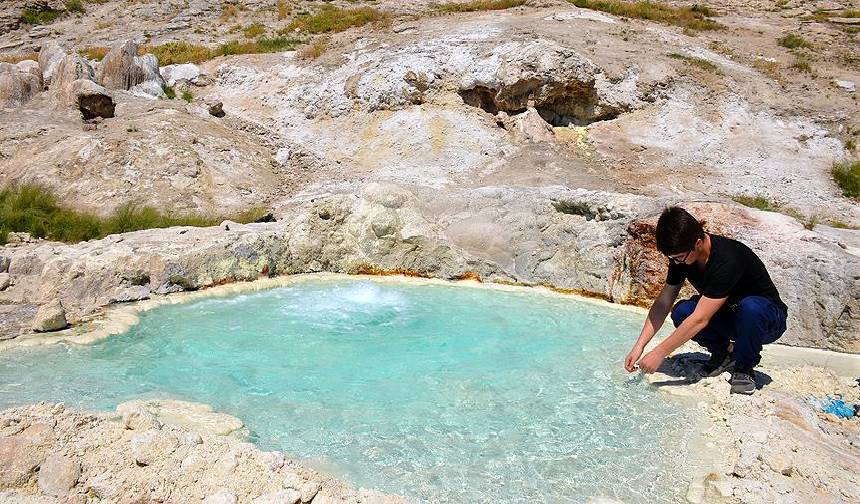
(140, 419)
(58, 408)
(215, 108)
(5, 281)
(221, 497)
(274, 460)
(282, 157)
(193, 463)
(58, 474)
(286, 496)
(718, 488)
(309, 490)
(152, 446)
(847, 85)
(50, 317)
(226, 464)
(191, 439)
(4, 264)
(18, 461)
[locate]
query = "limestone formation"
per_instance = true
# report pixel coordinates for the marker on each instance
(50, 56)
(182, 72)
(123, 69)
(18, 84)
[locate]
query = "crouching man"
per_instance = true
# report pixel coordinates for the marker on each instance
(738, 308)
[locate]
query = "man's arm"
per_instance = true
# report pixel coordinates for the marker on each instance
(657, 314)
(705, 309)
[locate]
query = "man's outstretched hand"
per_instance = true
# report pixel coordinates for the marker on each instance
(651, 361)
(632, 357)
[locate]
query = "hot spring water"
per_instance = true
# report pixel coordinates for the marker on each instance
(440, 393)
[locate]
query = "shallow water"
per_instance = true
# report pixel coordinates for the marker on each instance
(441, 393)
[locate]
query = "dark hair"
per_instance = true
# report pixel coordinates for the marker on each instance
(677, 231)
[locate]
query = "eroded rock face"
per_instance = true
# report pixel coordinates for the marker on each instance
(123, 69)
(18, 83)
(50, 55)
(91, 99)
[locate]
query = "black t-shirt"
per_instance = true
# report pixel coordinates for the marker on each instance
(733, 271)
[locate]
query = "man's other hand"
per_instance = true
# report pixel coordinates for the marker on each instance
(651, 361)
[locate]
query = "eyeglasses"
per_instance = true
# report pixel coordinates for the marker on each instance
(682, 260)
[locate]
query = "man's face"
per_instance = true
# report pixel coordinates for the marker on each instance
(688, 257)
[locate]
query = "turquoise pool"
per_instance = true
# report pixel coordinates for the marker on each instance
(441, 393)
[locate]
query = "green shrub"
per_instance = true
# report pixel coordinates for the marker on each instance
(35, 209)
(261, 45)
(171, 53)
(697, 62)
(693, 18)
(187, 96)
(170, 93)
(75, 6)
(40, 16)
(335, 19)
(793, 41)
(479, 5)
(759, 202)
(847, 177)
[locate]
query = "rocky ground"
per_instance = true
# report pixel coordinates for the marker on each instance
(531, 145)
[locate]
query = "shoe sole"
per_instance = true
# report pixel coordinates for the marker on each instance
(720, 370)
(743, 391)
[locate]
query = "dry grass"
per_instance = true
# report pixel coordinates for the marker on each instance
(284, 9)
(692, 18)
(17, 58)
(228, 12)
(172, 53)
(94, 53)
(254, 30)
(331, 19)
(315, 49)
(479, 5)
(769, 68)
(802, 63)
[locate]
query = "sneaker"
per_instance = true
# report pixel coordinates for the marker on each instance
(742, 382)
(718, 364)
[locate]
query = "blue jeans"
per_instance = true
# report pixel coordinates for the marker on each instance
(751, 323)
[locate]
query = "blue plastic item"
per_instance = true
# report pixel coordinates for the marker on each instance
(835, 406)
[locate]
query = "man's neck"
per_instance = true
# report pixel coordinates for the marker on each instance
(706, 252)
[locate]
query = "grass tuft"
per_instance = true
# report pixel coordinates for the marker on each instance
(801, 63)
(314, 50)
(35, 209)
(254, 30)
(75, 6)
(284, 9)
(187, 96)
(331, 19)
(794, 41)
(758, 202)
(170, 93)
(40, 16)
(96, 53)
(479, 5)
(697, 62)
(847, 177)
(693, 18)
(183, 52)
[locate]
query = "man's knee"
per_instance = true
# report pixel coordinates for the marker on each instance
(682, 310)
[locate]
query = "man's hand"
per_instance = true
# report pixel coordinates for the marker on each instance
(652, 361)
(632, 357)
